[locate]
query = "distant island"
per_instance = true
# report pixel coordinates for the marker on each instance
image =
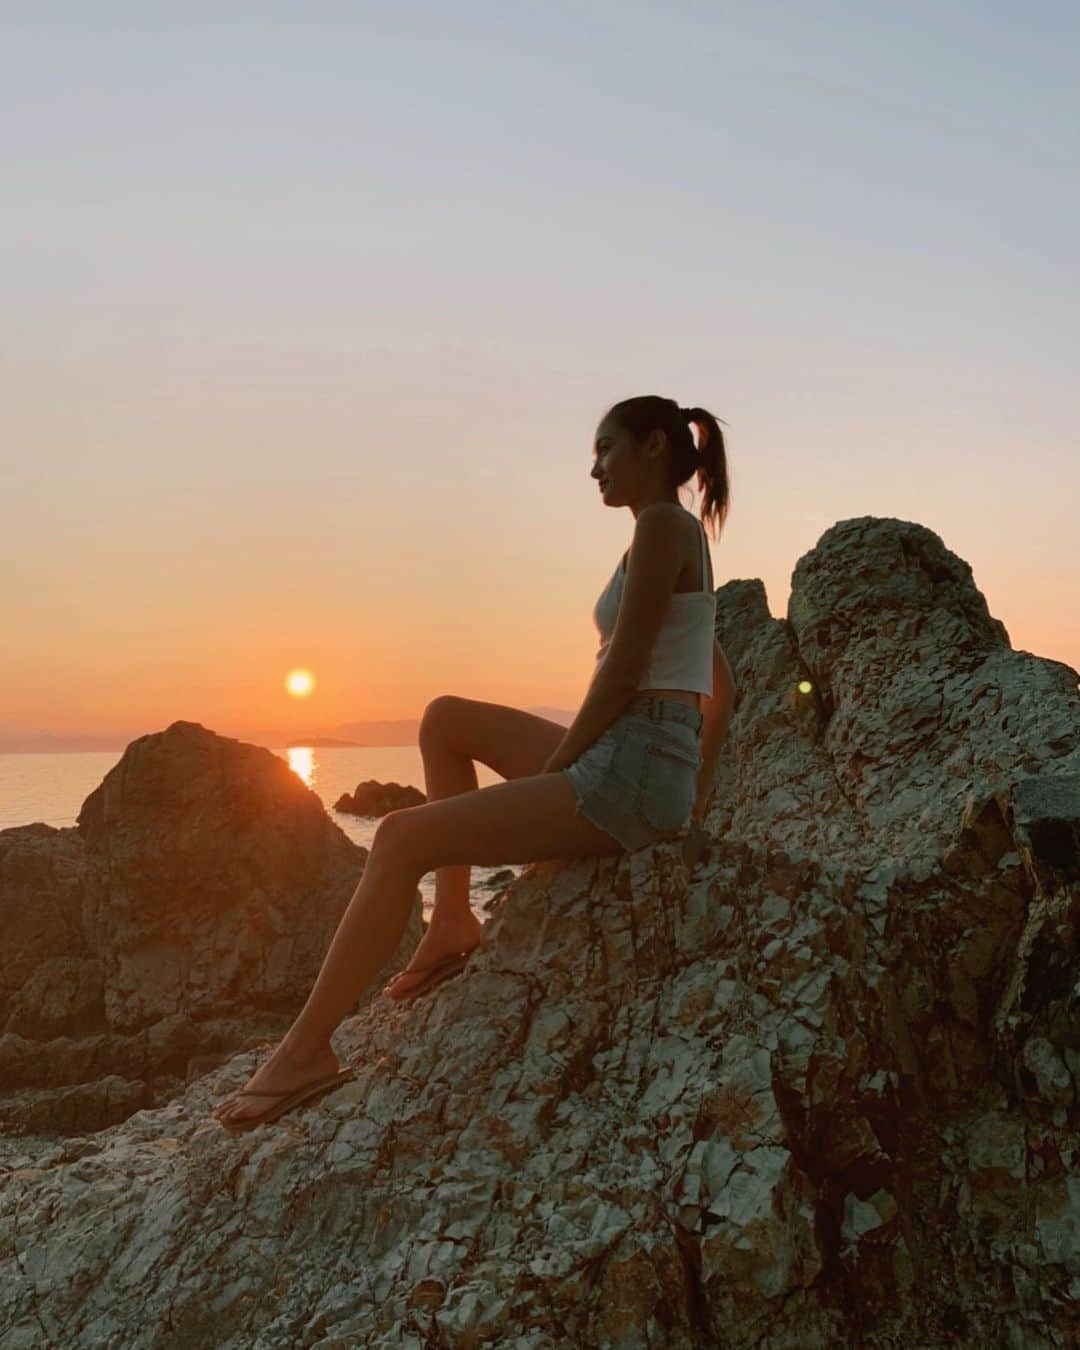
(316, 743)
(353, 735)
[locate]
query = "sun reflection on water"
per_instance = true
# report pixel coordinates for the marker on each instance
(302, 763)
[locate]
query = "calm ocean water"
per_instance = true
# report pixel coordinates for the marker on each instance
(52, 788)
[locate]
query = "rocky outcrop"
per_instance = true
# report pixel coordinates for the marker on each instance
(820, 1091)
(373, 798)
(184, 918)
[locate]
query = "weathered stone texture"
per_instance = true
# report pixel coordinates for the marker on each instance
(184, 918)
(821, 1091)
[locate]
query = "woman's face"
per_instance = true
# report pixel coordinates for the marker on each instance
(616, 465)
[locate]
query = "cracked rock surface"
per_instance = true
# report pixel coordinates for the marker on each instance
(820, 1091)
(182, 919)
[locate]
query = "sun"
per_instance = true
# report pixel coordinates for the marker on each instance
(299, 683)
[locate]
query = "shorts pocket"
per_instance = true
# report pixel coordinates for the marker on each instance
(669, 784)
(677, 739)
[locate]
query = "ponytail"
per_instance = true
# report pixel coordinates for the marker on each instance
(708, 458)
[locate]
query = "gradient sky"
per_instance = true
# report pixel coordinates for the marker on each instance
(310, 311)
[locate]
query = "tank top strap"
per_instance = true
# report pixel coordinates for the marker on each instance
(706, 588)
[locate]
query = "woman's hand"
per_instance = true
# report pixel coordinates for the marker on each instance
(701, 805)
(696, 844)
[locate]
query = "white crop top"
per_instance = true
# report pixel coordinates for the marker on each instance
(682, 655)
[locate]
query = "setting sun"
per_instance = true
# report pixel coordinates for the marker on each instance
(300, 683)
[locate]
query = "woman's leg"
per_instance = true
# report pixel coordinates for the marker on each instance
(522, 821)
(366, 938)
(453, 926)
(447, 772)
(453, 733)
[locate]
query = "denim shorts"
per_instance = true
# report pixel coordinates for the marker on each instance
(638, 779)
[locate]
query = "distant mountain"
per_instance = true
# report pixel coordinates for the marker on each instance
(318, 743)
(400, 732)
(563, 715)
(13, 742)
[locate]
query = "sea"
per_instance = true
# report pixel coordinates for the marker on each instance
(53, 785)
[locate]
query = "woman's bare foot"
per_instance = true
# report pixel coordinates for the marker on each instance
(444, 937)
(284, 1070)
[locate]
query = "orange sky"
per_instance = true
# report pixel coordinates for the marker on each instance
(306, 334)
(196, 604)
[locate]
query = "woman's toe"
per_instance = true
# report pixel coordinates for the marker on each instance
(229, 1108)
(402, 981)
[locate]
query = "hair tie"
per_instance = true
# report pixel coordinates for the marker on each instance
(699, 455)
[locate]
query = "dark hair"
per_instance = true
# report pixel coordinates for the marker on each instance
(649, 412)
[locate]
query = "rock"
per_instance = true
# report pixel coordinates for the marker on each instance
(499, 878)
(817, 1091)
(82, 1106)
(64, 992)
(373, 798)
(188, 913)
(42, 876)
(1046, 810)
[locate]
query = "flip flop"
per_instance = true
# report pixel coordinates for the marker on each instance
(289, 1098)
(433, 976)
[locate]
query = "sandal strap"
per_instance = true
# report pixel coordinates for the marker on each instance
(287, 1092)
(435, 965)
(253, 1092)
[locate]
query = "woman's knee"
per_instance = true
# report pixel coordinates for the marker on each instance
(393, 831)
(437, 717)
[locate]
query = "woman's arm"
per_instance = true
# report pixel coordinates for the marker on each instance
(652, 568)
(604, 701)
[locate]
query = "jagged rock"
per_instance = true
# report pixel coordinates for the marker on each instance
(187, 913)
(497, 883)
(64, 992)
(500, 878)
(82, 1106)
(820, 1091)
(42, 873)
(1047, 817)
(373, 798)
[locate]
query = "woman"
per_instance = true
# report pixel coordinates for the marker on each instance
(634, 766)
